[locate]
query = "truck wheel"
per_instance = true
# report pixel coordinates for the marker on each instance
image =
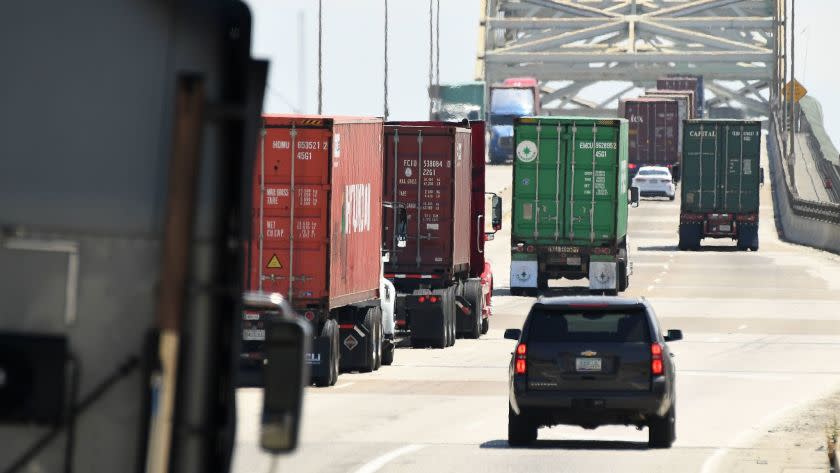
(369, 322)
(542, 283)
(452, 308)
(521, 430)
(474, 293)
(330, 330)
(662, 431)
(517, 291)
(377, 319)
(623, 278)
(485, 326)
(442, 338)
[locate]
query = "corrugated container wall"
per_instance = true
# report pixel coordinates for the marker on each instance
(684, 96)
(721, 160)
(654, 130)
(334, 252)
(430, 169)
(570, 181)
(478, 199)
(686, 82)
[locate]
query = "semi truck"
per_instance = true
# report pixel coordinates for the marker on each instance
(690, 82)
(515, 97)
(721, 181)
(429, 172)
(654, 132)
(570, 203)
(459, 101)
(317, 235)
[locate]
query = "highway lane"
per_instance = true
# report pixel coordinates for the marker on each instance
(762, 340)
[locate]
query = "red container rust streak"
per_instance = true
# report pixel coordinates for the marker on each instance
(334, 255)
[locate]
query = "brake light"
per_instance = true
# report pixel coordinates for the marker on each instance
(421, 299)
(656, 366)
(520, 366)
(433, 299)
(631, 166)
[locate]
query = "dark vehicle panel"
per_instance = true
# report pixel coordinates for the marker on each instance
(584, 350)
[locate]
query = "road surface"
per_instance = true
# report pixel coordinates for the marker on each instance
(761, 341)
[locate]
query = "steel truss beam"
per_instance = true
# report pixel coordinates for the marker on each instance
(586, 42)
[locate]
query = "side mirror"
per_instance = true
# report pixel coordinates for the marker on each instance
(674, 336)
(513, 333)
(634, 196)
(497, 213)
(287, 342)
(761, 176)
(402, 228)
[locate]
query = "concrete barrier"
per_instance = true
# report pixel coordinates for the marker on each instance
(815, 224)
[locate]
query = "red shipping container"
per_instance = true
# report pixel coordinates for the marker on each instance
(654, 131)
(430, 166)
(334, 252)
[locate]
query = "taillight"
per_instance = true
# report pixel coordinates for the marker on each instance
(520, 367)
(656, 366)
(421, 299)
(433, 299)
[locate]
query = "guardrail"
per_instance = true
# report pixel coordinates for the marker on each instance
(815, 224)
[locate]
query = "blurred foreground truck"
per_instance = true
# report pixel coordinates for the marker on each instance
(435, 172)
(515, 97)
(570, 199)
(316, 238)
(721, 181)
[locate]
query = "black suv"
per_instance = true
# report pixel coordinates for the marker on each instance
(592, 361)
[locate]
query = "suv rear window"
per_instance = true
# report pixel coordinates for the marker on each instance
(548, 325)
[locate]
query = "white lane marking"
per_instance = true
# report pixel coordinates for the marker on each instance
(342, 386)
(377, 463)
(754, 376)
(650, 288)
(742, 327)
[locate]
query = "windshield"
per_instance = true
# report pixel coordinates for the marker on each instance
(654, 172)
(519, 102)
(594, 326)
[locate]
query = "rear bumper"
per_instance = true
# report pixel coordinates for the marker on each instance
(593, 407)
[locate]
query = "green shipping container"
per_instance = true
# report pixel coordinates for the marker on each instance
(721, 160)
(569, 202)
(721, 177)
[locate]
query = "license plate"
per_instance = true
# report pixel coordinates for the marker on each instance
(250, 334)
(725, 228)
(588, 364)
(573, 261)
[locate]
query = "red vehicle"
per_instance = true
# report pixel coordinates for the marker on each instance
(317, 234)
(428, 166)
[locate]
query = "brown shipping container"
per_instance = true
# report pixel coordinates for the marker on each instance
(654, 131)
(337, 216)
(686, 95)
(693, 84)
(432, 172)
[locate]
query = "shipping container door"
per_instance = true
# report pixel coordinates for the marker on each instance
(423, 175)
(638, 142)
(664, 133)
(282, 252)
(592, 180)
(700, 167)
(540, 181)
(741, 144)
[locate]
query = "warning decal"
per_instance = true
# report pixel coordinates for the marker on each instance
(274, 263)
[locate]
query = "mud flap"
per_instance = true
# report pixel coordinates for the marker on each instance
(603, 276)
(355, 346)
(426, 323)
(523, 274)
(319, 358)
(464, 314)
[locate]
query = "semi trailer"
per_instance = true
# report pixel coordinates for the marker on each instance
(721, 181)
(316, 238)
(434, 171)
(570, 203)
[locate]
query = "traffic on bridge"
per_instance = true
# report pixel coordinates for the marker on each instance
(609, 240)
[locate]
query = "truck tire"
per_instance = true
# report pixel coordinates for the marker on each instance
(474, 293)
(451, 308)
(377, 318)
(542, 283)
(517, 291)
(485, 326)
(369, 322)
(330, 330)
(522, 431)
(662, 431)
(623, 278)
(748, 238)
(689, 237)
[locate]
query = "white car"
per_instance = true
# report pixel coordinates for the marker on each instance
(655, 181)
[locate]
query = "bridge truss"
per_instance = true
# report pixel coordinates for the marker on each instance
(572, 46)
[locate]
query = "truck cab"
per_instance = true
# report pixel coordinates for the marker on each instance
(515, 97)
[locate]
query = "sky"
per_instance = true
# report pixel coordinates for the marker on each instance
(353, 50)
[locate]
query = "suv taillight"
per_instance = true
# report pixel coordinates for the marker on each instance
(520, 366)
(656, 366)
